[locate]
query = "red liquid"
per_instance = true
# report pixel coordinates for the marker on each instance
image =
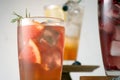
(109, 26)
(40, 51)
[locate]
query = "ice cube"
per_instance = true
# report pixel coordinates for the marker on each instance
(51, 59)
(57, 58)
(50, 37)
(115, 48)
(26, 21)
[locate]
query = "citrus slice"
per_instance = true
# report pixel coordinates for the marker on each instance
(30, 53)
(35, 51)
(54, 11)
(39, 26)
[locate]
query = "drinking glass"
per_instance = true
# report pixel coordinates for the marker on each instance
(109, 29)
(40, 48)
(72, 13)
(74, 17)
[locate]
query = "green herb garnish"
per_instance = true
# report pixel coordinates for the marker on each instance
(18, 17)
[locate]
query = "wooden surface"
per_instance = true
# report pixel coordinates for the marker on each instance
(79, 68)
(99, 78)
(76, 68)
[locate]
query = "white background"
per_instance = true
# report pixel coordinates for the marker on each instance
(89, 51)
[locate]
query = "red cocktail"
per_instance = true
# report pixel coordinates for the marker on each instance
(40, 48)
(109, 27)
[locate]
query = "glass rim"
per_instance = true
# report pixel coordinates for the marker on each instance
(42, 17)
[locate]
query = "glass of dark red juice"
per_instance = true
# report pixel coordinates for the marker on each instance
(109, 29)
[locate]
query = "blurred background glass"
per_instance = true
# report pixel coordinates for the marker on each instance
(109, 29)
(72, 13)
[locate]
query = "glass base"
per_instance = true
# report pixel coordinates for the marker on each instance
(112, 73)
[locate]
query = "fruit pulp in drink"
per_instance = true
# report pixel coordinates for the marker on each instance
(109, 28)
(40, 51)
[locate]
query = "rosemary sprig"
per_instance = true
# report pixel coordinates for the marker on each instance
(27, 14)
(18, 17)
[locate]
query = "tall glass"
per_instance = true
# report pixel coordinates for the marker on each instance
(40, 48)
(74, 18)
(109, 29)
(72, 13)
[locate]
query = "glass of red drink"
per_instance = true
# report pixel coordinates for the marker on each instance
(40, 48)
(109, 29)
